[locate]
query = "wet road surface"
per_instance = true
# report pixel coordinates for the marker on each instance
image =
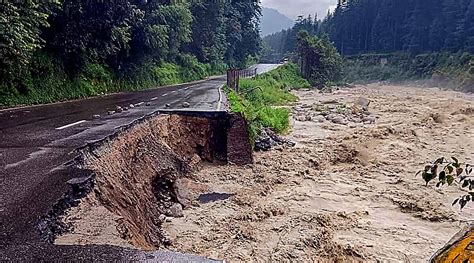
(37, 141)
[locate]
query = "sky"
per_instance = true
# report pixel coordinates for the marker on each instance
(294, 8)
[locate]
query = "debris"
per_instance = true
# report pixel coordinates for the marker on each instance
(118, 109)
(213, 197)
(362, 103)
(186, 104)
(161, 218)
(148, 104)
(131, 106)
(319, 118)
(269, 139)
(337, 119)
(369, 119)
(168, 106)
(111, 112)
(96, 116)
(176, 210)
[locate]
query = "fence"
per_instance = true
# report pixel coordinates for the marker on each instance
(234, 76)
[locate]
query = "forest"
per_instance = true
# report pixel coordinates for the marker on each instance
(65, 49)
(414, 39)
(386, 26)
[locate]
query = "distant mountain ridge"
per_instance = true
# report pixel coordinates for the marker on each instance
(273, 21)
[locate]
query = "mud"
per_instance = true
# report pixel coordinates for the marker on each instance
(138, 180)
(347, 191)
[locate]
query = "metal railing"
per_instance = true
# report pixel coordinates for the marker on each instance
(234, 76)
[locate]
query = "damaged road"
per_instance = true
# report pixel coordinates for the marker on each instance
(37, 146)
(37, 149)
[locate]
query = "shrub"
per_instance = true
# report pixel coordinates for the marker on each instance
(258, 99)
(320, 62)
(95, 79)
(45, 80)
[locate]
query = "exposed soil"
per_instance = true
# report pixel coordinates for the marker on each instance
(347, 190)
(135, 177)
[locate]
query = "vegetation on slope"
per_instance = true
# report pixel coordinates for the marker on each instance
(260, 99)
(412, 39)
(387, 26)
(442, 69)
(57, 50)
(47, 81)
(320, 62)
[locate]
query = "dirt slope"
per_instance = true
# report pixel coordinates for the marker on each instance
(347, 190)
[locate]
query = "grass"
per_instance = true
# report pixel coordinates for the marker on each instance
(46, 81)
(258, 99)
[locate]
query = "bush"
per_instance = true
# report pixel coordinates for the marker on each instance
(166, 74)
(258, 99)
(191, 68)
(95, 79)
(321, 64)
(46, 81)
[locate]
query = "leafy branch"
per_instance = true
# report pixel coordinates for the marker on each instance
(448, 172)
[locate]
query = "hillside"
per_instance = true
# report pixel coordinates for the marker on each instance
(273, 21)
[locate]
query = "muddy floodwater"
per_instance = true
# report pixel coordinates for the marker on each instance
(346, 191)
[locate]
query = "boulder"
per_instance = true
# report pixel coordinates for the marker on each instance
(176, 210)
(319, 118)
(362, 103)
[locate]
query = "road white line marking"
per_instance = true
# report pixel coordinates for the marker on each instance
(30, 157)
(164, 95)
(70, 125)
(219, 103)
(154, 98)
(173, 91)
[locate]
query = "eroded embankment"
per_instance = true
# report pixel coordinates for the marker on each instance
(133, 188)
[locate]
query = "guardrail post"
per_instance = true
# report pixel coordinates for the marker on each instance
(234, 75)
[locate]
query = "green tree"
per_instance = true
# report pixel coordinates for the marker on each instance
(208, 37)
(92, 31)
(243, 34)
(467, 28)
(320, 62)
(20, 32)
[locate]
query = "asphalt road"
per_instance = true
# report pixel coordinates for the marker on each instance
(37, 141)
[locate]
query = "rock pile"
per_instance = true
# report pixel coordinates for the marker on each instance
(336, 112)
(269, 139)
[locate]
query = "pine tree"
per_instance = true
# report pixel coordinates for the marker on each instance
(468, 28)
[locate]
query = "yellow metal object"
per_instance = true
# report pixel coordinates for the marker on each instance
(459, 250)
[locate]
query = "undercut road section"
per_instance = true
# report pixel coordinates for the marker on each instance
(37, 142)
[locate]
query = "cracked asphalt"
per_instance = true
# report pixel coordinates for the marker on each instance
(37, 142)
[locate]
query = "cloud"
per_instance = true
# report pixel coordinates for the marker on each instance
(294, 8)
